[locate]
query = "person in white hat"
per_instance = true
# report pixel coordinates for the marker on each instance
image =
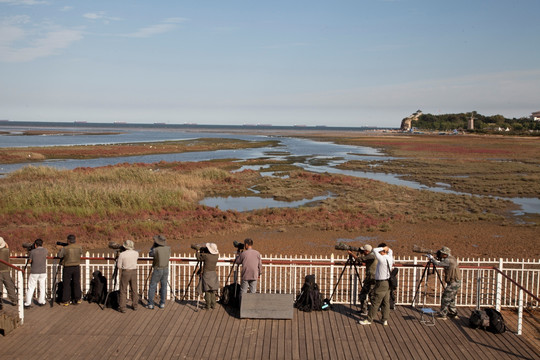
(127, 263)
(209, 283)
(5, 272)
(368, 258)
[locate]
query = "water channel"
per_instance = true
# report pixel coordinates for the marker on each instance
(316, 157)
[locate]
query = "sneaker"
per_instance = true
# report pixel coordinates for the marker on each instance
(385, 322)
(150, 307)
(441, 317)
(27, 306)
(65, 304)
(162, 306)
(79, 301)
(123, 311)
(364, 322)
(40, 304)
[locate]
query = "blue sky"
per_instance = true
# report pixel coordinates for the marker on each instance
(335, 63)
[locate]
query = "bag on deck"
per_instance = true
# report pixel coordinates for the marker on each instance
(479, 319)
(496, 321)
(98, 288)
(309, 298)
(230, 295)
(113, 300)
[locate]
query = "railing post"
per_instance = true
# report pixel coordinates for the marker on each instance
(21, 295)
(520, 312)
(331, 273)
(498, 291)
(415, 262)
(86, 274)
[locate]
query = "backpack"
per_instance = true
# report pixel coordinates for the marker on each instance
(98, 288)
(230, 295)
(113, 300)
(309, 298)
(479, 319)
(496, 321)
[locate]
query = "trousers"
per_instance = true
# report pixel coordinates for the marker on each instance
(36, 282)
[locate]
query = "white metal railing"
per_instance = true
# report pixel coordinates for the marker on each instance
(286, 275)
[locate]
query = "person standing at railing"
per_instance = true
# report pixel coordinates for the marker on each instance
(5, 273)
(385, 263)
(127, 263)
(209, 283)
(71, 276)
(251, 267)
(160, 271)
(452, 278)
(37, 258)
(367, 256)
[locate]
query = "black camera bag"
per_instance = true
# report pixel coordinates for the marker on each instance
(479, 319)
(496, 321)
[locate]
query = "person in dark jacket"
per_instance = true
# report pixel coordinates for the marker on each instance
(70, 256)
(5, 273)
(160, 271)
(209, 283)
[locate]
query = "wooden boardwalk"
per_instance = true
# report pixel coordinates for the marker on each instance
(179, 332)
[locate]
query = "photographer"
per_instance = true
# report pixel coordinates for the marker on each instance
(160, 271)
(5, 273)
(209, 283)
(251, 267)
(127, 263)
(368, 258)
(71, 276)
(381, 298)
(453, 282)
(37, 258)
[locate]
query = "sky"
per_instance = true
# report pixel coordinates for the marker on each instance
(334, 63)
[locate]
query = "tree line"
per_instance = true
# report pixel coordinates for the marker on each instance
(482, 123)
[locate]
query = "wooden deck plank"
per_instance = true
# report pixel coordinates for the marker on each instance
(177, 331)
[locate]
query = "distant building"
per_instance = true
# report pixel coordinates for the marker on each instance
(470, 123)
(535, 116)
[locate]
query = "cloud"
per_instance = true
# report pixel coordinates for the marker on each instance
(101, 15)
(165, 26)
(66, 8)
(23, 2)
(23, 44)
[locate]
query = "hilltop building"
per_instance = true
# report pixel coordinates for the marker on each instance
(535, 116)
(406, 124)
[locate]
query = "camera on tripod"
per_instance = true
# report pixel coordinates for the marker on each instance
(238, 245)
(437, 254)
(115, 246)
(29, 246)
(200, 248)
(345, 247)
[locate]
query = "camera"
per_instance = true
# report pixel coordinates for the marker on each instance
(345, 247)
(115, 246)
(29, 246)
(238, 245)
(200, 247)
(59, 243)
(418, 249)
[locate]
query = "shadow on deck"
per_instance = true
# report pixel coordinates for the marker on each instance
(179, 331)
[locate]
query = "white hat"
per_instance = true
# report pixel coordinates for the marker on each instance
(367, 247)
(2, 243)
(128, 244)
(212, 248)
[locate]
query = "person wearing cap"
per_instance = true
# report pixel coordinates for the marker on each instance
(368, 258)
(452, 277)
(37, 258)
(385, 263)
(160, 271)
(209, 283)
(127, 264)
(70, 256)
(5, 273)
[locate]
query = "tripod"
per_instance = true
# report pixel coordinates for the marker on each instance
(115, 279)
(55, 283)
(197, 268)
(351, 263)
(430, 268)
